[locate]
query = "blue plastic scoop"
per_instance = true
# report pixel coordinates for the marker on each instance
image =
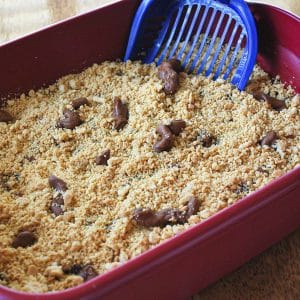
(208, 36)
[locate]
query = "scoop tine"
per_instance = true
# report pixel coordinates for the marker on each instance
(236, 78)
(220, 67)
(214, 59)
(236, 50)
(196, 37)
(151, 55)
(199, 52)
(187, 38)
(211, 45)
(182, 28)
(170, 38)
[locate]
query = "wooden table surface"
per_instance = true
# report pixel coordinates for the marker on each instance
(275, 274)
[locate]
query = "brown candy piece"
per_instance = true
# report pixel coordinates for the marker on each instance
(103, 158)
(57, 183)
(205, 138)
(168, 73)
(269, 138)
(173, 63)
(258, 95)
(5, 116)
(193, 206)
(144, 217)
(177, 126)
(24, 239)
(88, 272)
(177, 217)
(120, 113)
(273, 102)
(166, 141)
(79, 102)
(149, 218)
(176, 64)
(170, 80)
(164, 65)
(70, 119)
(56, 205)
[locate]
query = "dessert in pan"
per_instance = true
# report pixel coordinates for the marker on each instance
(106, 164)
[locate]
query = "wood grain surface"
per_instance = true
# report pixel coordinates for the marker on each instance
(275, 274)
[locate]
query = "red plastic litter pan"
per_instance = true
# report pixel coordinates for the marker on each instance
(181, 266)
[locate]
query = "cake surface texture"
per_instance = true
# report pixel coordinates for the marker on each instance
(106, 164)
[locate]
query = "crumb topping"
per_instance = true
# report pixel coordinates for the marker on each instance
(80, 174)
